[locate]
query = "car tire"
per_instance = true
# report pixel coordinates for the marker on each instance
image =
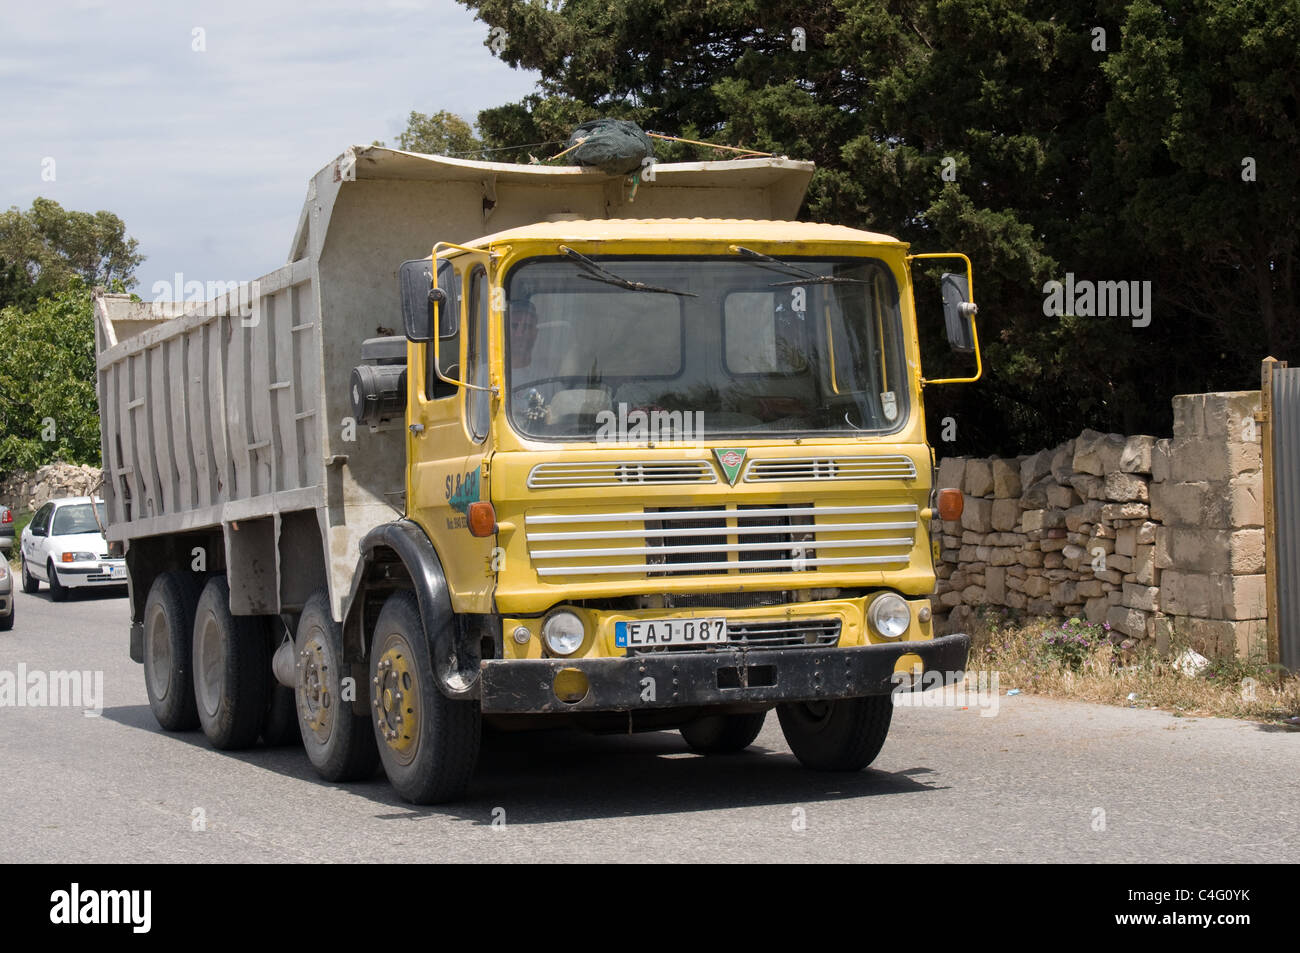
(30, 583)
(723, 734)
(7, 621)
(340, 743)
(428, 743)
(168, 641)
(841, 735)
(231, 670)
(58, 591)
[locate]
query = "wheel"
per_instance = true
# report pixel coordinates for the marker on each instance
(30, 582)
(58, 591)
(428, 743)
(7, 621)
(842, 735)
(168, 634)
(723, 734)
(339, 743)
(231, 670)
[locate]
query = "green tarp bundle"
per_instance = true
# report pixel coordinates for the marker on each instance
(615, 146)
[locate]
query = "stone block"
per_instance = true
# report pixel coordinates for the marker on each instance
(1214, 595)
(1132, 622)
(1034, 496)
(1160, 460)
(1088, 487)
(1125, 541)
(1063, 462)
(1062, 497)
(1097, 453)
(995, 585)
(1137, 454)
(952, 473)
(977, 513)
(1146, 598)
(979, 478)
(1006, 479)
(1124, 487)
(1004, 515)
(1095, 609)
(1125, 511)
(1033, 468)
(1144, 565)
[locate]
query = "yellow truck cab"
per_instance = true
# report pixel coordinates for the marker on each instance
(655, 473)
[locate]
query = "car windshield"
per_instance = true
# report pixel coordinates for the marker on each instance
(659, 348)
(76, 518)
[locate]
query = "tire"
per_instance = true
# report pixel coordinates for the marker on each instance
(842, 735)
(723, 734)
(30, 583)
(231, 670)
(168, 641)
(58, 591)
(339, 743)
(430, 754)
(7, 621)
(280, 726)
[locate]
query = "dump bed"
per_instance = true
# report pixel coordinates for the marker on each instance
(235, 414)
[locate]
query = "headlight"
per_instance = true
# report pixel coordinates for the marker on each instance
(563, 633)
(78, 557)
(889, 615)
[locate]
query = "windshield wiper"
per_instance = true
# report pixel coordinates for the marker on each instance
(597, 273)
(809, 277)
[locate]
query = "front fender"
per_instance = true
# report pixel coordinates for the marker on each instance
(455, 660)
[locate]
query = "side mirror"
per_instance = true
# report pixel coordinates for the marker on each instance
(421, 302)
(958, 313)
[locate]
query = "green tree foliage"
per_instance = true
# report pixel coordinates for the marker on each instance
(48, 407)
(1043, 137)
(441, 133)
(46, 246)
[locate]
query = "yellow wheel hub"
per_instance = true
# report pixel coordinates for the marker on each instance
(316, 703)
(396, 699)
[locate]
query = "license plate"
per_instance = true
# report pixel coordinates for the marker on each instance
(116, 572)
(650, 633)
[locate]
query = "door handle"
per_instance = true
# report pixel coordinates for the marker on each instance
(417, 429)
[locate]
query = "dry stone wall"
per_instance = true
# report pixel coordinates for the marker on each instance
(26, 490)
(1154, 536)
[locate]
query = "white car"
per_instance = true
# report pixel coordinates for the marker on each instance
(6, 596)
(64, 547)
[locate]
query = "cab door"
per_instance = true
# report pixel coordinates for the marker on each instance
(448, 439)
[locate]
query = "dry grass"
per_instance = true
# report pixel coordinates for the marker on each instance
(1109, 674)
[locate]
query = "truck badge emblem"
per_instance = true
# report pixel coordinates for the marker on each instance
(730, 461)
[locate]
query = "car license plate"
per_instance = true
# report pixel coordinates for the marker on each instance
(651, 633)
(116, 572)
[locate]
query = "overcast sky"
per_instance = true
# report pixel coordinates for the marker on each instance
(206, 155)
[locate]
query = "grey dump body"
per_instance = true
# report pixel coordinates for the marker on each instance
(229, 419)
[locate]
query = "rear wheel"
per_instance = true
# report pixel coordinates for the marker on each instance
(30, 582)
(168, 636)
(340, 744)
(723, 734)
(231, 670)
(428, 743)
(841, 735)
(7, 620)
(58, 591)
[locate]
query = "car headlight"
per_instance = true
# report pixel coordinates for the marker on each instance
(78, 557)
(563, 633)
(890, 615)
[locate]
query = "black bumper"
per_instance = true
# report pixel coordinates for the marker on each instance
(712, 678)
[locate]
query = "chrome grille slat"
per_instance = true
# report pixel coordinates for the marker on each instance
(620, 473)
(793, 469)
(683, 541)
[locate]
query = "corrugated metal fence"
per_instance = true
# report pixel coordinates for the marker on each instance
(1281, 406)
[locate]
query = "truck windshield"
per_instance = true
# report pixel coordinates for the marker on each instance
(739, 349)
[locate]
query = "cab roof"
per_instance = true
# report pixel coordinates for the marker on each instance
(682, 229)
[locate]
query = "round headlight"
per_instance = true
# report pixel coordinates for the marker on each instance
(563, 633)
(889, 615)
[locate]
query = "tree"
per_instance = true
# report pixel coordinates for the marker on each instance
(442, 133)
(43, 248)
(48, 407)
(1042, 138)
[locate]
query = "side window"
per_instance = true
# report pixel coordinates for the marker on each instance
(41, 521)
(448, 337)
(477, 405)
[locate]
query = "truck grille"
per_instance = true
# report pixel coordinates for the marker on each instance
(546, 476)
(765, 634)
(691, 541)
(803, 469)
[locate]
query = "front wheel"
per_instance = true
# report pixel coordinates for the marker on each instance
(841, 735)
(58, 591)
(723, 734)
(428, 743)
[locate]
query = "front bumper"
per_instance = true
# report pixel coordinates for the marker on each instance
(690, 679)
(78, 575)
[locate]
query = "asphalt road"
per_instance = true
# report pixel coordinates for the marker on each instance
(1042, 780)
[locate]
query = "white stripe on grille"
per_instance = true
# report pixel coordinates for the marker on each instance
(797, 469)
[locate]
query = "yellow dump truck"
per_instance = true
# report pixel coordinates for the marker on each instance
(532, 445)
